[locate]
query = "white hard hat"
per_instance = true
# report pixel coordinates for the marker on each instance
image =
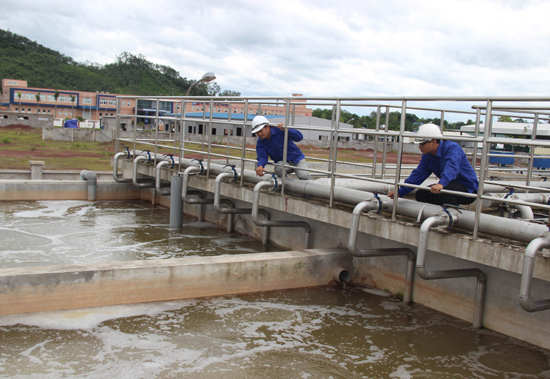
(258, 123)
(429, 132)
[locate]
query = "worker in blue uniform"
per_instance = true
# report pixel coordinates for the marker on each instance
(271, 144)
(448, 162)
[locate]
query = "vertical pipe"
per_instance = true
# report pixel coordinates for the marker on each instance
(527, 276)
(176, 202)
(448, 274)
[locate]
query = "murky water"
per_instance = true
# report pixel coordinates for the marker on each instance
(302, 333)
(40, 233)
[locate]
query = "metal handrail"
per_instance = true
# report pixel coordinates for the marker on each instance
(380, 104)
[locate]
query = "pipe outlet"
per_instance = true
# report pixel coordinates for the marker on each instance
(341, 275)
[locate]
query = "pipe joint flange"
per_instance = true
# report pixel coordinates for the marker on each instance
(147, 155)
(170, 159)
(453, 218)
(380, 202)
(232, 170)
(274, 182)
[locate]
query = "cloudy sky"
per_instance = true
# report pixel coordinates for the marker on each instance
(313, 47)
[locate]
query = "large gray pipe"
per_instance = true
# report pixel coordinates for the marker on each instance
(91, 177)
(352, 247)
(448, 274)
(527, 276)
(287, 224)
(176, 202)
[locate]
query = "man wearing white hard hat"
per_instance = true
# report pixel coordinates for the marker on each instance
(448, 162)
(271, 140)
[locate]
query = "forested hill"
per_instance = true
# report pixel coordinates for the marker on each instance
(21, 58)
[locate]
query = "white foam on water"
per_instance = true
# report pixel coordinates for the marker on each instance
(89, 318)
(56, 209)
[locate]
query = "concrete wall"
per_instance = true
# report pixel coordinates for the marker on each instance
(36, 289)
(29, 119)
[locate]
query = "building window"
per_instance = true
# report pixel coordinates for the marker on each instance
(87, 100)
(51, 98)
(12, 83)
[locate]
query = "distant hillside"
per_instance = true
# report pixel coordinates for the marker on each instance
(21, 58)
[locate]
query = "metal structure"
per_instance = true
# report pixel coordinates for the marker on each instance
(373, 178)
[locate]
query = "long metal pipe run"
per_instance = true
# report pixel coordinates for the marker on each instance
(508, 228)
(527, 276)
(231, 210)
(448, 274)
(352, 247)
(288, 224)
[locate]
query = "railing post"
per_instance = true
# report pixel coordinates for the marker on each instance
(483, 165)
(399, 157)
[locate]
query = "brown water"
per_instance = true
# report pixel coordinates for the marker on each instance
(301, 333)
(38, 233)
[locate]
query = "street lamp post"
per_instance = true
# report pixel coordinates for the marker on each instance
(206, 78)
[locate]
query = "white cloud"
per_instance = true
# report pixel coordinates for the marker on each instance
(314, 47)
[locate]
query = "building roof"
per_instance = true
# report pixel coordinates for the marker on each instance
(510, 128)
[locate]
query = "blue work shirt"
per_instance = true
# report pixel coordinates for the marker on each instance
(449, 164)
(274, 147)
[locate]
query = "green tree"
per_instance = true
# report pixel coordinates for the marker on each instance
(229, 93)
(19, 96)
(37, 102)
(56, 96)
(73, 98)
(504, 119)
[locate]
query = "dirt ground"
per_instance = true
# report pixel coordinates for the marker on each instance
(309, 150)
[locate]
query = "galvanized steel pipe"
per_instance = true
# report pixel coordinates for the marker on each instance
(272, 223)
(448, 274)
(352, 247)
(527, 276)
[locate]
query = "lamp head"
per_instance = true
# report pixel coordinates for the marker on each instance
(208, 77)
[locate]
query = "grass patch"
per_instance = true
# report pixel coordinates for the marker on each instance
(21, 145)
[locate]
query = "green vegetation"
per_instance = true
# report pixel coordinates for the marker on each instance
(131, 75)
(412, 121)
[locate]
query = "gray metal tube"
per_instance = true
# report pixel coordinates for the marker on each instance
(176, 202)
(144, 183)
(115, 168)
(185, 193)
(158, 183)
(527, 276)
(352, 247)
(231, 210)
(254, 215)
(449, 274)
(91, 178)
